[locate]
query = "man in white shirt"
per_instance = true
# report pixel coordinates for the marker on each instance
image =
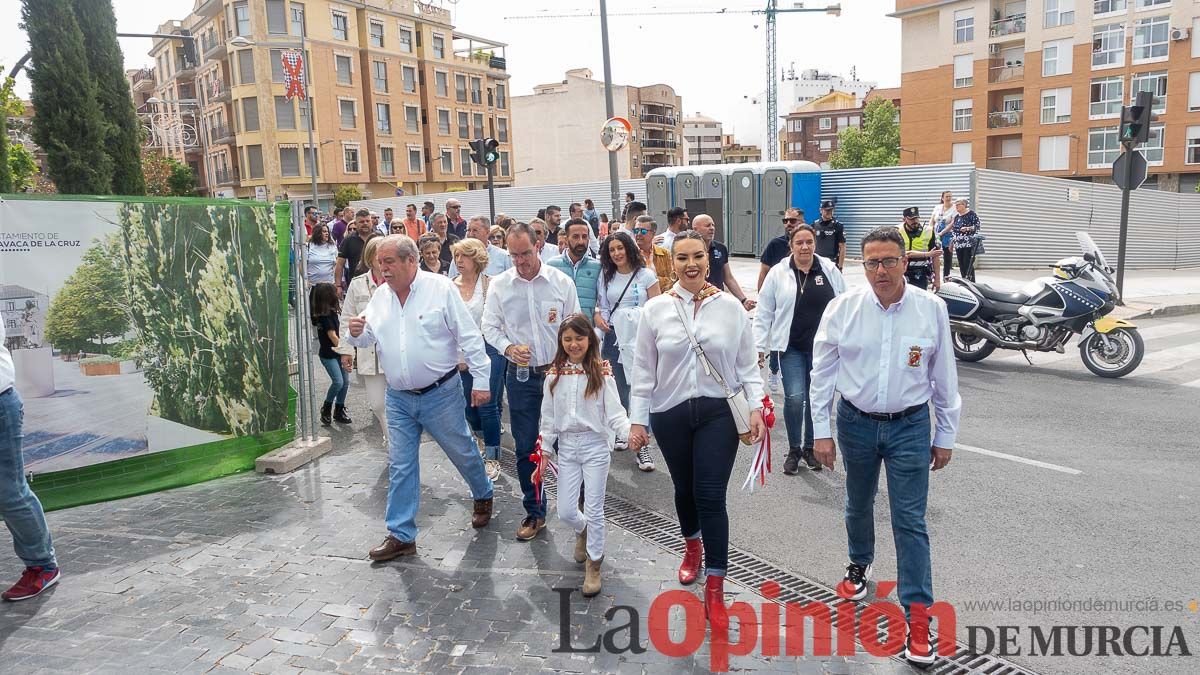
(418, 323)
(546, 252)
(524, 309)
(887, 350)
(677, 221)
(498, 260)
(20, 508)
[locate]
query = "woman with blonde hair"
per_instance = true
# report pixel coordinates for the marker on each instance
(370, 376)
(471, 259)
(496, 237)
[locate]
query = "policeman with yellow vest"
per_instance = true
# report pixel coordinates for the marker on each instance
(922, 250)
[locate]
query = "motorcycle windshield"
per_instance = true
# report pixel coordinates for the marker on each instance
(1087, 245)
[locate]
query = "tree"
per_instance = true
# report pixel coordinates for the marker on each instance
(9, 105)
(22, 167)
(344, 194)
(107, 64)
(166, 176)
(182, 180)
(91, 306)
(877, 143)
(67, 125)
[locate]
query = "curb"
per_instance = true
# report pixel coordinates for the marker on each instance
(1167, 311)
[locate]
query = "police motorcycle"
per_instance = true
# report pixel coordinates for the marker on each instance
(1046, 313)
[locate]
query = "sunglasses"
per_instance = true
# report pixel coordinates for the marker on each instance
(791, 221)
(641, 230)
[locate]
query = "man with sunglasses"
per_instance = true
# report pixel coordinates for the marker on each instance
(886, 349)
(455, 223)
(657, 258)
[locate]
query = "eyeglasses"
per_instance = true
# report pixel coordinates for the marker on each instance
(791, 221)
(641, 230)
(888, 263)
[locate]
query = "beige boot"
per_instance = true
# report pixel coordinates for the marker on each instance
(581, 546)
(591, 578)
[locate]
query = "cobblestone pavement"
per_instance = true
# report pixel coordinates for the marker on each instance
(268, 574)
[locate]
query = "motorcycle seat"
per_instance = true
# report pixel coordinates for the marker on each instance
(1017, 298)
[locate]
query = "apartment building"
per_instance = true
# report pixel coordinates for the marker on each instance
(810, 132)
(397, 95)
(971, 68)
(568, 116)
(733, 152)
(702, 140)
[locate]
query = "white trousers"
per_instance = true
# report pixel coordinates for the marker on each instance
(584, 457)
(376, 388)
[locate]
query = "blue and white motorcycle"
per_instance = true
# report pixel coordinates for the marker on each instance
(1046, 313)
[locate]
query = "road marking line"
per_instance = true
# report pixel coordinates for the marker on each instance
(1072, 347)
(1022, 460)
(1167, 358)
(1167, 330)
(1195, 384)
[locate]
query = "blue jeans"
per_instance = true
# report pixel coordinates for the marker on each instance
(773, 362)
(440, 412)
(796, 367)
(525, 413)
(486, 418)
(903, 447)
(610, 352)
(339, 384)
(20, 507)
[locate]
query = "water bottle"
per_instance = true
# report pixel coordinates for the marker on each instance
(522, 373)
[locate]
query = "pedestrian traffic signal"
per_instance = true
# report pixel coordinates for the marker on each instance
(1135, 119)
(485, 151)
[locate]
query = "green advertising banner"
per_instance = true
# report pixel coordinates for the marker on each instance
(149, 338)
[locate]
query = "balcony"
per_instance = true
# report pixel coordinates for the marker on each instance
(220, 134)
(650, 166)
(185, 69)
(215, 48)
(659, 143)
(1009, 25)
(209, 8)
(1012, 164)
(664, 120)
(497, 62)
(219, 92)
(143, 80)
(1008, 119)
(225, 176)
(1006, 72)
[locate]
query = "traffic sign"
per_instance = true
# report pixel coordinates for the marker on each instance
(1129, 171)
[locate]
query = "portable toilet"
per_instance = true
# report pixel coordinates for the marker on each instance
(785, 185)
(741, 208)
(711, 200)
(687, 185)
(659, 193)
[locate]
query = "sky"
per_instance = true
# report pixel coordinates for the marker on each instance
(716, 63)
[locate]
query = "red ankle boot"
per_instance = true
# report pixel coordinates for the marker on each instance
(714, 607)
(693, 554)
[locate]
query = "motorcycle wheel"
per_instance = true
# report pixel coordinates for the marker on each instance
(971, 348)
(1121, 358)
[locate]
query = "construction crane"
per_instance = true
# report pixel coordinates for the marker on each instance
(771, 10)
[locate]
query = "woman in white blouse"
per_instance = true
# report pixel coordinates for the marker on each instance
(322, 254)
(943, 222)
(362, 287)
(470, 259)
(688, 410)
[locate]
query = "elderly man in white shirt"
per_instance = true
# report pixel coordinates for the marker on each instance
(418, 323)
(887, 350)
(498, 259)
(524, 309)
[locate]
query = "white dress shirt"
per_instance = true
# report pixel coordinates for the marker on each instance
(666, 372)
(886, 360)
(358, 296)
(777, 303)
(567, 410)
(668, 238)
(498, 261)
(520, 312)
(418, 342)
(8, 373)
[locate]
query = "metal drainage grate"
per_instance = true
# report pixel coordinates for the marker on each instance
(751, 571)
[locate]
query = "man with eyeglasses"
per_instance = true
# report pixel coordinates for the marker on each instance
(886, 349)
(546, 252)
(456, 224)
(922, 250)
(656, 257)
(831, 235)
(776, 251)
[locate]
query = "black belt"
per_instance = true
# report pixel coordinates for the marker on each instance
(889, 417)
(537, 370)
(441, 380)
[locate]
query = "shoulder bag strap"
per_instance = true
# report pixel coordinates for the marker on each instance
(708, 367)
(621, 297)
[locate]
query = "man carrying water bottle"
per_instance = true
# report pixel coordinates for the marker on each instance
(524, 307)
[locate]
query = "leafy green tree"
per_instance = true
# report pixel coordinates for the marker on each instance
(68, 125)
(107, 64)
(167, 176)
(9, 105)
(877, 143)
(344, 194)
(6, 179)
(91, 306)
(182, 180)
(22, 168)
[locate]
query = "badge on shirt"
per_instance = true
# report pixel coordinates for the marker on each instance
(820, 281)
(553, 315)
(914, 356)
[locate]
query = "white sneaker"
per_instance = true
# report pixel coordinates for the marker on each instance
(621, 444)
(492, 468)
(775, 382)
(645, 461)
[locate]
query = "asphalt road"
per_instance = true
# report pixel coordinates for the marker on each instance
(1116, 521)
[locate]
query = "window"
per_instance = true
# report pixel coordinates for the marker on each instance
(439, 46)
(406, 40)
(289, 161)
(1108, 45)
(1150, 39)
(376, 34)
(478, 119)
(1059, 13)
(308, 161)
(843, 122)
(1056, 105)
(1108, 6)
(476, 91)
(414, 160)
(964, 26)
(1154, 82)
(1056, 58)
(304, 112)
(963, 68)
(298, 27)
(460, 88)
(246, 66)
(443, 122)
(254, 158)
(285, 113)
(387, 161)
(960, 153)
(1192, 153)
(501, 95)
(1107, 95)
(409, 75)
(241, 18)
(380, 73)
(1103, 147)
(1153, 147)
(1193, 92)
(1054, 153)
(344, 68)
(412, 121)
(825, 124)
(276, 65)
(277, 17)
(1147, 4)
(441, 84)
(250, 114)
(383, 118)
(962, 114)
(347, 114)
(341, 27)
(350, 158)
(502, 129)
(464, 160)
(447, 161)
(504, 166)
(464, 125)
(826, 145)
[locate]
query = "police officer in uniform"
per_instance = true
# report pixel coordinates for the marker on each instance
(922, 250)
(831, 235)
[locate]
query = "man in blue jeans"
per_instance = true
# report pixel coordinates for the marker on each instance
(418, 328)
(20, 508)
(887, 350)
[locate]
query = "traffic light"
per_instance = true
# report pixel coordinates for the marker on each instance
(485, 151)
(1135, 119)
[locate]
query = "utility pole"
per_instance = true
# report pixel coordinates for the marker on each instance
(1129, 170)
(614, 182)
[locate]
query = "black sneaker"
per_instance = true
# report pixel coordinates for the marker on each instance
(854, 584)
(810, 459)
(919, 652)
(791, 466)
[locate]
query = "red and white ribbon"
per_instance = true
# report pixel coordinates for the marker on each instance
(760, 465)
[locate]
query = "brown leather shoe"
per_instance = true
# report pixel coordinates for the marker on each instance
(483, 513)
(530, 527)
(392, 548)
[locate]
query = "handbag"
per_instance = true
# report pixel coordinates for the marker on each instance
(738, 405)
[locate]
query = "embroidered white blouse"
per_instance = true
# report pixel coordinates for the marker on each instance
(567, 409)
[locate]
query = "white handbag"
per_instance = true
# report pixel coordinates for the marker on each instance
(738, 405)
